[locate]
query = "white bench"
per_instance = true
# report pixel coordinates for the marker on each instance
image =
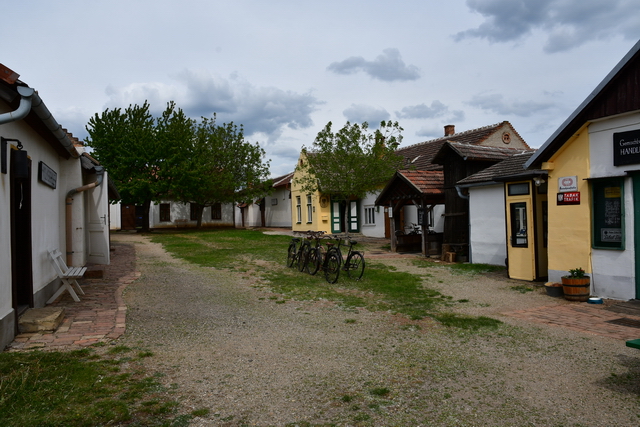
(68, 275)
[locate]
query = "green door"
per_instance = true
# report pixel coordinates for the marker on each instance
(636, 232)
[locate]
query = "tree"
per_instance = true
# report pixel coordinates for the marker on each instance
(220, 166)
(352, 162)
(125, 143)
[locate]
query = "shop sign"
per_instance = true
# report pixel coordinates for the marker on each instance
(567, 184)
(571, 198)
(626, 148)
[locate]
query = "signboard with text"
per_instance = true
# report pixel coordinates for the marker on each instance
(567, 184)
(626, 148)
(571, 198)
(46, 175)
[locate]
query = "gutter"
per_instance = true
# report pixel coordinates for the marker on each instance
(69, 211)
(460, 194)
(31, 101)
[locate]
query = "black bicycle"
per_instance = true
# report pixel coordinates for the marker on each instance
(315, 254)
(332, 265)
(293, 252)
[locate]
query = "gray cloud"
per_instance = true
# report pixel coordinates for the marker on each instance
(498, 104)
(387, 66)
(259, 109)
(365, 113)
(423, 111)
(568, 23)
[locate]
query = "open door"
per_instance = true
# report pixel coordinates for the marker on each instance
(98, 224)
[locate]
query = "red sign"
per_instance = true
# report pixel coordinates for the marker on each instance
(571, 198)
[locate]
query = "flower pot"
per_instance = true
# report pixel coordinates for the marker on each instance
(554, 290)
(576, 289)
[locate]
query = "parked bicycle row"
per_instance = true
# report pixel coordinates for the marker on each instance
(316, 251)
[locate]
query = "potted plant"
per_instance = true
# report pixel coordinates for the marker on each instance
(576, 285)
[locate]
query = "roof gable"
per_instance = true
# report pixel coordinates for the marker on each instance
(618, 93)
(511, 166)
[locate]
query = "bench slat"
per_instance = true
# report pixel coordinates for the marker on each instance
(634, 343)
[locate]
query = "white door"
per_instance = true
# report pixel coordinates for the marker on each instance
(98, 224)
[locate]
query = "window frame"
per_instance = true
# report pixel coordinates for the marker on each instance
(165, 212)
(599, 189)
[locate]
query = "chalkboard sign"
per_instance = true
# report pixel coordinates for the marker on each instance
(608, 214)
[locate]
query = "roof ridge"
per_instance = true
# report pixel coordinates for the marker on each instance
(446, 137)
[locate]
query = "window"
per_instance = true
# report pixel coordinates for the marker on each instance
(369, 215)
(309, 209)
(519, 225)
(216, 211)
(193, 211)
(298, 210)
(165, 212)
(608, 214)
(520, 189)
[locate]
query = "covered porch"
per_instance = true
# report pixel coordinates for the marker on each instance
(422, 189)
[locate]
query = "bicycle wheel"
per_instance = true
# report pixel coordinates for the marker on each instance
(332, 267)
(315, 259)
(355, 266)
(291, 254)
(303, 257)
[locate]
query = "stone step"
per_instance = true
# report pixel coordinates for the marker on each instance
(41, 319)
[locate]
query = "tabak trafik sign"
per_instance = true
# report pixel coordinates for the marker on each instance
(568, 193)
(626, 148)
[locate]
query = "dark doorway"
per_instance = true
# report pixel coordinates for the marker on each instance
(21, 263)
(128, 217)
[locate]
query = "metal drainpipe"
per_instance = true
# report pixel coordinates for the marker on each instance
(69, 210)
(466, 197)
(23, 108)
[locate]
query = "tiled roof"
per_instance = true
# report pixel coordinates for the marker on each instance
(421, 155)
(480, 152)
(283, 180)
(513, 165)
(428, 182)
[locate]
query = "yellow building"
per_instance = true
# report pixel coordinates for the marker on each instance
(593, 165)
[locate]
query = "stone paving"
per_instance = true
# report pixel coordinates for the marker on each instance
(100, 316)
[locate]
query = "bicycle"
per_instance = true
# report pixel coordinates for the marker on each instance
(293, 252)
(354, 264)
(314, 257)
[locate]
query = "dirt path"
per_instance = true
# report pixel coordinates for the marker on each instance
(227, 346)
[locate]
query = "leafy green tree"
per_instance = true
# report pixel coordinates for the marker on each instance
(351, 162)
(125, 143)
(220, 166)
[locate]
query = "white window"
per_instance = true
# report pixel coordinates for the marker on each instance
(298, 209)
(309, 209)
(369, 215)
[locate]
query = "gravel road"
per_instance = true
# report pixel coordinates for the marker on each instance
(226, 344)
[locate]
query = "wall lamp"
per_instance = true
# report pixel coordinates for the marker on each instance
(21, 162)
(538, 180)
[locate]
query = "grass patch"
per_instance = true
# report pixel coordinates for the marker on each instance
(523, 289)
(468, 269)
(466, 322)
(78, 388)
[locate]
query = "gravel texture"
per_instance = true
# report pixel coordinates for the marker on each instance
(225, 343)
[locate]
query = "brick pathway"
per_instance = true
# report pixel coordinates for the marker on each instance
(582, 317)
(98, 317)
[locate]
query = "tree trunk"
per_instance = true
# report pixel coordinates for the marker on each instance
(199, 215)
(146, 207)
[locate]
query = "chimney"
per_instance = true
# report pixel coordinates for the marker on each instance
(449, 130)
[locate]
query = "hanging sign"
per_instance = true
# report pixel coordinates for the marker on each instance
(626, 148)
(46, 175)
(571, 198)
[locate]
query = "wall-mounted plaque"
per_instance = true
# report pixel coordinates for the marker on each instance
(46, 175)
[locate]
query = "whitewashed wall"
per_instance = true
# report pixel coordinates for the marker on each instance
(278, 209)
(487, 231)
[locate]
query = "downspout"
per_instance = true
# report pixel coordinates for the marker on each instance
(69, 212)
(22, 110)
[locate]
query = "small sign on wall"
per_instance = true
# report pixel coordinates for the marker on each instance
(46, 175)
(570, 198)
(568, 184)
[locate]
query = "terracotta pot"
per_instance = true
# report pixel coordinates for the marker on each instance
(576, 289)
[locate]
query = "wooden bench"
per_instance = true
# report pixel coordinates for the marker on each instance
(634, 343)
(68, 275)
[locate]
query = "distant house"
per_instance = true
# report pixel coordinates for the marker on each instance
(52, 196)
(593, 166)
(273, 210)
(456, 156)
(170, 214)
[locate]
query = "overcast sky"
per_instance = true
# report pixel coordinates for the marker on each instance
(285, 68)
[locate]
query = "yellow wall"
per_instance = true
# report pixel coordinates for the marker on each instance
(321, 217)
(570, 226)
